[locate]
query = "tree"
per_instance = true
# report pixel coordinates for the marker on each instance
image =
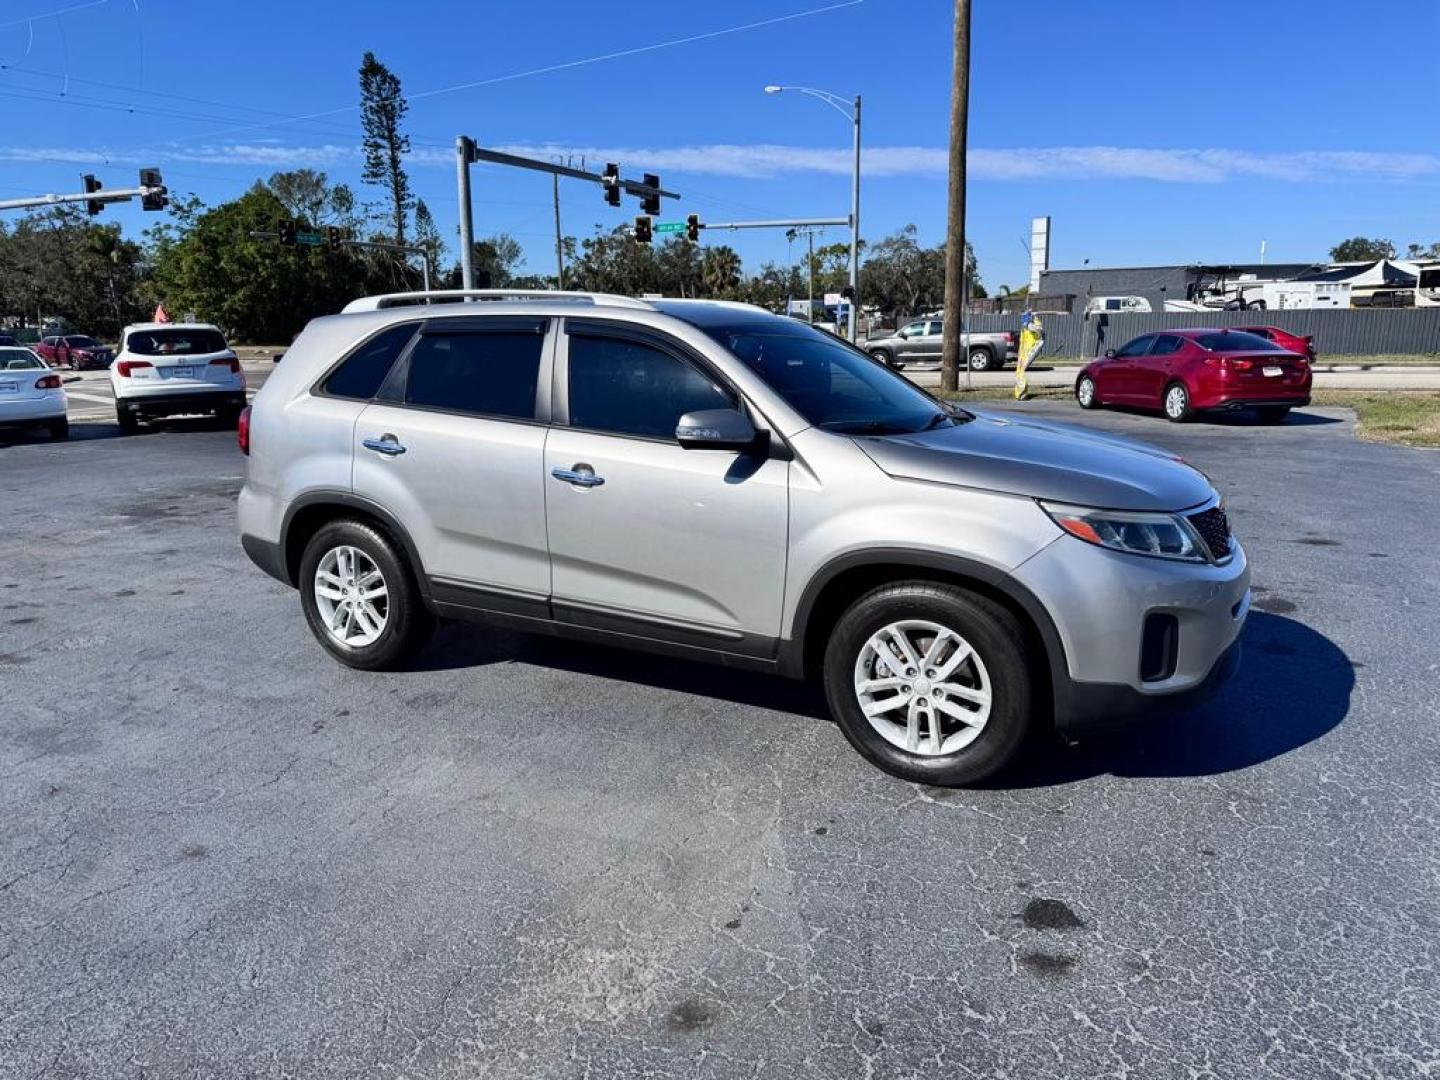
(382, 108)
(427, 235)
(720, 270)
(1420, 251)
(1362, 249)
(496, 258)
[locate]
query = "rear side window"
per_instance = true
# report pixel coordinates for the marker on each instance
(1166, 344)
(361, 374)
(634, 389)
(487, 374)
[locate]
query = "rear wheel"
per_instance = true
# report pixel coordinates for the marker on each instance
(930, 682)
(1085, 393)
(59, 429)
(360, 597)
(1177, 403)
(126, 418)
(980, 360)
(1273, 414)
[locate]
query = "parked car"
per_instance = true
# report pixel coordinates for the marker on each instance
(711, 481)
(1182, 372)
(172, 369)
(917, 344)
(30, 393)
(8, 339)
(1303, 346)
(74, 351)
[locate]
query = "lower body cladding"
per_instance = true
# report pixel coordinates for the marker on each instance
(1138, 634)
(182, 403)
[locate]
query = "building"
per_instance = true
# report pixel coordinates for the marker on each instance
(1195, 283)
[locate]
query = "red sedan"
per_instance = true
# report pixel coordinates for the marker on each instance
(75, 351)
(1182, 372)
(1304, 346)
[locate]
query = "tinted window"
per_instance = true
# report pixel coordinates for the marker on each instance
(1136, 347)
(1166, 344)
(1236, 341)
(20, 360)
(362, 373)
(80, 342)
(913, 329)
(634, 389)
(828, 382)
(175, 342)
(488, 374)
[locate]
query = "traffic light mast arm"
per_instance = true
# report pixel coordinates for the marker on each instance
(105, 195)
(631, 187)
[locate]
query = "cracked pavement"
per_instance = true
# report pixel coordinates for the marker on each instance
(225, 855)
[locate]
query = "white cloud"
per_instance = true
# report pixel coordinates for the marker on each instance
(768, 161)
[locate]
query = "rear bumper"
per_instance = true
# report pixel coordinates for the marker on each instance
(265, 554)
(39, 410)
(185, 401)
(1293, 401)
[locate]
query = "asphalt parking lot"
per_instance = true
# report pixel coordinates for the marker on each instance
(225, 855)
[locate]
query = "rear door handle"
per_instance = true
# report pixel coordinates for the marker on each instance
(386, 444)
(580, 476)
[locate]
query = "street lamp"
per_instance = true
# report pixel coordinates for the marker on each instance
(851, 112)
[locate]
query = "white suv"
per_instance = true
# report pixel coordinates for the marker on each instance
(172, 369)
(712, 481)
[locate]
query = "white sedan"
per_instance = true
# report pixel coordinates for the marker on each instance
(31, 395)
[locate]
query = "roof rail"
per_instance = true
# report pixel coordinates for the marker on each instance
(451, 296)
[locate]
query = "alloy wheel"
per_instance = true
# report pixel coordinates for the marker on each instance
(923, 688)
(1176, 402)
(351, 596)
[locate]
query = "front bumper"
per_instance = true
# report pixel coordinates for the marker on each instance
(1099, 601)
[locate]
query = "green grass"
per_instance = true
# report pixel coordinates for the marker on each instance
(1003, 393)
(1404, 417)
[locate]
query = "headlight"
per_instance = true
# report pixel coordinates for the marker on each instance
(1161, 536)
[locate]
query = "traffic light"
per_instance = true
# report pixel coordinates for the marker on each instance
(848, 292)
(92, 206)
(335, 235)
(611, 183)
(692, 228)
(286, 228)
(643, 233)
(650, 202)
(155, 199)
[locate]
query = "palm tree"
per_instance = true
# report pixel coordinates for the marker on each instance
(720, 271)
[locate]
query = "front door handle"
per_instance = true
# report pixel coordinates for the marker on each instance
(581, 476)
(386, 444)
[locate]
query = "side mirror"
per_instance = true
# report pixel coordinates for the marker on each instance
(716, 429)
(1110, 353)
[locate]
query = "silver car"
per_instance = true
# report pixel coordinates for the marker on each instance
(709, 481)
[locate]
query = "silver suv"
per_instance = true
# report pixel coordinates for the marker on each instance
(710, 481)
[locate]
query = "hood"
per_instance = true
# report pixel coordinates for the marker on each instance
(1043, 460)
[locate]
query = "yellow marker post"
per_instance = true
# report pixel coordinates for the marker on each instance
(1032, 340)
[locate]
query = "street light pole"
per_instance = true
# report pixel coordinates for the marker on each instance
(851, 112)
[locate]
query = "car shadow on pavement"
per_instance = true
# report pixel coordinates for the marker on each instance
(1293, 686)
(1237, 418)
(461, 646)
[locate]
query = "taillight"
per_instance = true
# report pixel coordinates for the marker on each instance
(232, 364)
(1242, 365)
(125, 367)
(242, 430)
(1009, 337)
(48, 382)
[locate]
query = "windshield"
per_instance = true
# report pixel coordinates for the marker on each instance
(79, 341)
(20, 360)
(175, 342)
(1237, 341)
(830, 384)
(1430, 279)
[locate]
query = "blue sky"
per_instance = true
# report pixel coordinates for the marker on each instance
(1152, 132)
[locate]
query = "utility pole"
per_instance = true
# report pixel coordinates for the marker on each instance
(464, 155)
(810, 289)
(955, 224)
(559, 248)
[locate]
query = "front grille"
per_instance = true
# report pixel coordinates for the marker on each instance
(1214, 529)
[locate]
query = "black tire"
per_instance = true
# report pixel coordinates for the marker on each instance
(59, 429)
(882, 356)
(1176, 391)
(409, 624)
(1090, 400)
(980, 359)
(1273, 414)
(997, 639)
(126, 418)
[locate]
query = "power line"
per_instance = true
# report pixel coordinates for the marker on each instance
(53, 14)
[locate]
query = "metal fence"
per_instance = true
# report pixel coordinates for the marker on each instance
(1348, 332)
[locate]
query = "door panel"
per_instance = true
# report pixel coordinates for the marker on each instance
(693, 536)
(1153, 370)
(468, 490)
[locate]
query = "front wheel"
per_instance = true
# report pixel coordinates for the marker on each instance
(360, 597)
(930, 682)
(1177, 403)
(980, 360)
(1085, 393)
